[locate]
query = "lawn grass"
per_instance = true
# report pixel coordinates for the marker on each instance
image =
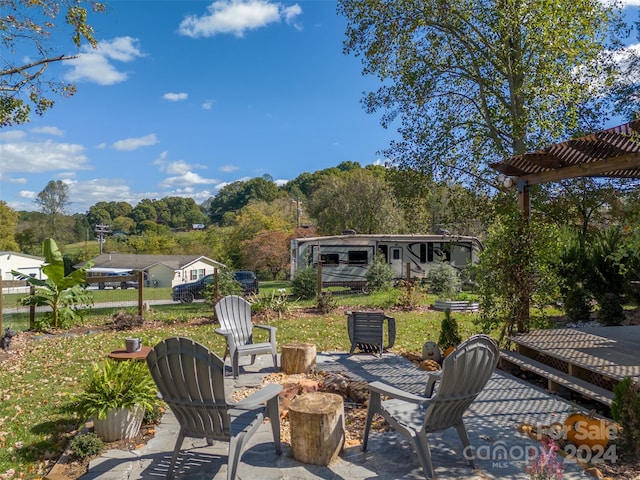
(40, 381)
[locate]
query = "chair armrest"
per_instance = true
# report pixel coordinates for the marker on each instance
(431, 383)
(223, 332)
(272, 331)
(260, 397)
(389, 391)
(391, 330)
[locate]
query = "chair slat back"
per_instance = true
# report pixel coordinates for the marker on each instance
(234, 315)
(366, 327)
(465, 372)
(190, 379)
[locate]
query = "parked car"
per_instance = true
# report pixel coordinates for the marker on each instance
(188, 292)
(248, 280)
(117, 282)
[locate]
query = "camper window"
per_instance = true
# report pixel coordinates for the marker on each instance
(329, 258)
(358, 257)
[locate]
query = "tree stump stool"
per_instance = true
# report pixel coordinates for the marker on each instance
(316, 421)
(298, 358)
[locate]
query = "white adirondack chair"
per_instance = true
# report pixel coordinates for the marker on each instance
(190, 379)
(465, 372)
(234, 315)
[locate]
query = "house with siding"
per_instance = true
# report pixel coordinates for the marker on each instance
(28, 265)
(159, 270)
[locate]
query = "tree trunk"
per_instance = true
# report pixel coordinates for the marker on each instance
(317, 427)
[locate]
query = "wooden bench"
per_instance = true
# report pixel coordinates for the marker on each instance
(556, 378)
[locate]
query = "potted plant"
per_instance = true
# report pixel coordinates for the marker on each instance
(116, 397)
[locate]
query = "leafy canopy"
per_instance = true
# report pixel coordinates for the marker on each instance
(472, 82)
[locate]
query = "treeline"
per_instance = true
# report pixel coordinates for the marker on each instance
(249, 224)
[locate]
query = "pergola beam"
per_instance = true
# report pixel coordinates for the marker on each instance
(614, 167)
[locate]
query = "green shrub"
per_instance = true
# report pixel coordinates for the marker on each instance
(326, 303)
(577, 304)
(611, 312)
(86, 445)
(152, 416)
(277, 303)
(626, 411)
(380, 275)
(449, 336)
(411, 294)
(227, 285)
(305, 284)
(444, 280)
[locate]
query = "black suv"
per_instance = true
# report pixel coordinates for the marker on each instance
(188, 292)
(248, 280)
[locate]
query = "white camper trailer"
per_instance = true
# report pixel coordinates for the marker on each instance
(345, 259)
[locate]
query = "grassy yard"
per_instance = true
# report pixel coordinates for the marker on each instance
(43, 371)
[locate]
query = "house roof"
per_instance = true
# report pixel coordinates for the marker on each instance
(19, 254)
(613, 153)
(132, 261)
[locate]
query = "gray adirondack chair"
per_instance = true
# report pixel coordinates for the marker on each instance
(190, 379)
(366, 331)
(465, 372)
(234, 315)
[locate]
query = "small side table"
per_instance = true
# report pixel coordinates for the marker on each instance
(124, 355)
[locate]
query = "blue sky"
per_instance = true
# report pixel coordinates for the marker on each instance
(183, 97)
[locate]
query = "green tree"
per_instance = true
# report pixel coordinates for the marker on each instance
(357, 200)
(144, 210)
(584, 204)
(232, 197)
(30, 28)
(517, 263)
(8, 224)
(64, 294)
(53, 202)
(123, 224)
(472, 84)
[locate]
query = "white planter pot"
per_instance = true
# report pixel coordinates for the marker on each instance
(119, 424)
(455, 306)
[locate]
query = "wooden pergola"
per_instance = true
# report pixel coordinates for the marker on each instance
(610, 153)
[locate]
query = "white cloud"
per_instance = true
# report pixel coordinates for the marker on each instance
(290, 14)
(28, 194)
(236, 17)
(95, 64)
(49, 131)
(207, 105)
(281, 182)
(12, 135)
(135, 143)
(17, 180)
(188, 179)
(175, 97)
(33, 157)
(229, 168)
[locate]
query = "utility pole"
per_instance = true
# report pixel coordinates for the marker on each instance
(102, 231)
(298, 211)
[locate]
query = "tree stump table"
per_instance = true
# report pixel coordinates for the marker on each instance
(317, 427)
(298, 358)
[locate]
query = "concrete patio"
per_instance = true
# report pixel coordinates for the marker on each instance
(501, 450)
